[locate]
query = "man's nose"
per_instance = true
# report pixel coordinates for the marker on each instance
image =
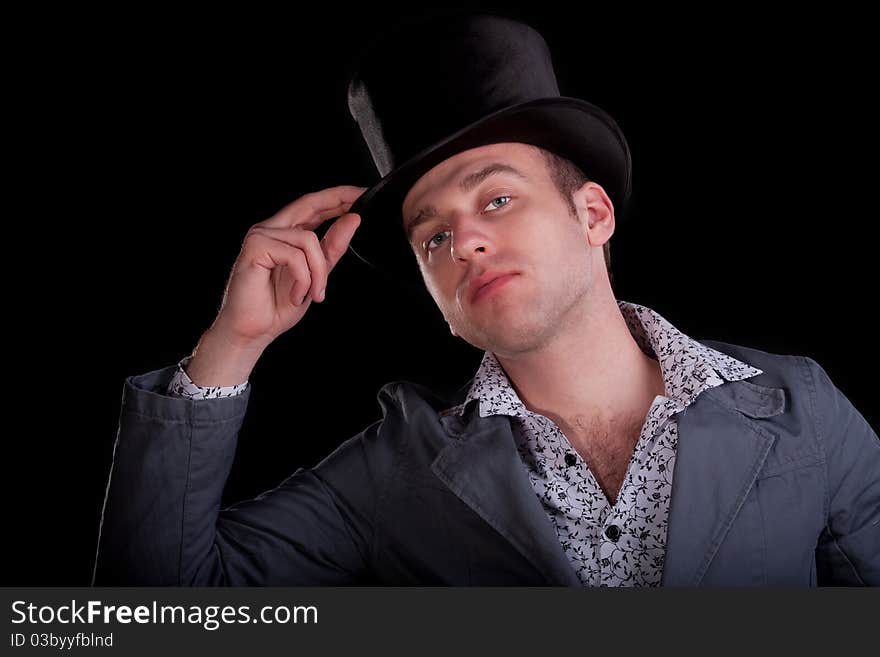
(470, 236)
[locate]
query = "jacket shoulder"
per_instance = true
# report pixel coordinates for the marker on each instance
(410, 399)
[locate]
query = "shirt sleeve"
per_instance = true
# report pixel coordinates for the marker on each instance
(182, 386)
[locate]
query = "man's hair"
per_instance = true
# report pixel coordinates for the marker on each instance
(568, 178)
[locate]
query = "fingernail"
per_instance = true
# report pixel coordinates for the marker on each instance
(321, 295)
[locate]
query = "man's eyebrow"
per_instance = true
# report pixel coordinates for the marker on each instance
(466, 184)
(471, 180)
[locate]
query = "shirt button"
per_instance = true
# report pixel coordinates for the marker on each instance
(570, 459)
(613, 532)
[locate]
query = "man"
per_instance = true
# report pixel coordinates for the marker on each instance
(596, 444)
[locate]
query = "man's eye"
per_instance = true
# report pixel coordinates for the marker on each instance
(495, 199)
(431, 243)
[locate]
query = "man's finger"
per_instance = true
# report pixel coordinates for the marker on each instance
(338, 237)
(311, 210)
(306, 241)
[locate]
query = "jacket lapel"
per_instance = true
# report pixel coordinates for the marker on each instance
(483, 468)
(720, 453)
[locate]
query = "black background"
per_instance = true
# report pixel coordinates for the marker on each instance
(150, 143)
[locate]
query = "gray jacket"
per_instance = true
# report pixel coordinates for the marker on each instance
(776, 483)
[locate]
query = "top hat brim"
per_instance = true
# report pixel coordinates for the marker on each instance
(570, 127)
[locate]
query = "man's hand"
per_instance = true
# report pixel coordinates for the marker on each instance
(283, 266)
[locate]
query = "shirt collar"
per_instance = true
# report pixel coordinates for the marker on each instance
(688, 366)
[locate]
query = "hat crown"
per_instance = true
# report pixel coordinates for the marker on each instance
(431, 78)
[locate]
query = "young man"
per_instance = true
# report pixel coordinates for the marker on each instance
(596, 444)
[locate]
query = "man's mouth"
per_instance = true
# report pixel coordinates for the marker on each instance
(488, 283)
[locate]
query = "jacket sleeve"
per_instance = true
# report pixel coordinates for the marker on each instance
(848, 552)
(162, 523)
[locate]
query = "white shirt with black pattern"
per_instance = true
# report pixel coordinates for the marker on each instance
(607, 545)
(182, 386)
(623, 544)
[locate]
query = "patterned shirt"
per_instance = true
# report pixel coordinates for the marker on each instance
(623, 544)
(182, 386)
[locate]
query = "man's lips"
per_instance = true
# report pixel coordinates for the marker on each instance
(485, 283)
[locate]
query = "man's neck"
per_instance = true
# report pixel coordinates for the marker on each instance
(593, 368)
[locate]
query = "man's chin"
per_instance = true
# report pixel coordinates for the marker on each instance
(505, 339)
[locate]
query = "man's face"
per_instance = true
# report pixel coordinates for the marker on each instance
(463, 223)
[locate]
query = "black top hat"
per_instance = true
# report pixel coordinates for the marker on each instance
(433, 88)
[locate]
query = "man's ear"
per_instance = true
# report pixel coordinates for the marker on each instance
(452, 330)
(596, 211)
